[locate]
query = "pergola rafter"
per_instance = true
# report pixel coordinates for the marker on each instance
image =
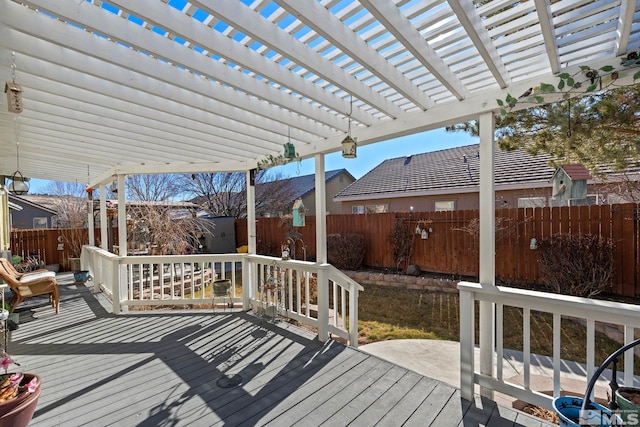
(150, 86)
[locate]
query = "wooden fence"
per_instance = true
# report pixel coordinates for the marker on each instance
(453, 245)
(451, 248)
(47, 245)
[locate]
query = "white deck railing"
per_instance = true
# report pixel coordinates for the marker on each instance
(587, 311)
(318, 295)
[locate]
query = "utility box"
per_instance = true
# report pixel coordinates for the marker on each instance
(570, 182)
(298, 213)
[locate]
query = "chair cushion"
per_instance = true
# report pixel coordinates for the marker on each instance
(35, 276)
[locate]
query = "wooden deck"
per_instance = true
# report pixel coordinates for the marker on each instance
(181, 368)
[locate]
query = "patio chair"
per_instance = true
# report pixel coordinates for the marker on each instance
(31, 284)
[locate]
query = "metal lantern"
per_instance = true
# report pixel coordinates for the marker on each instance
(349, 147)
(289, 151)
(19, 184)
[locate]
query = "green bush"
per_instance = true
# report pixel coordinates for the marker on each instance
(346, 251)
(576, 264)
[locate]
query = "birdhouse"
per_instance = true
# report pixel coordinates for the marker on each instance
(570, 182)
(14, 97)
(298, 213)
(289, 151)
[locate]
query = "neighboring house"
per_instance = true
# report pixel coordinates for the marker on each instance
(304, 187)
(31, 213)
(449, 179)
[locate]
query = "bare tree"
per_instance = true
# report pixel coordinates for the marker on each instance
(224, 193)
(156, 226)
(157, 187)
(71, 203)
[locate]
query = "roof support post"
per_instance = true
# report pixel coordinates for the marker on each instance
(122, 217)
(251, 211)
(249, 270)
(104, 237)
(321, 248)
(487, 245)
(90, 223)
(321, 210)
(5, 215)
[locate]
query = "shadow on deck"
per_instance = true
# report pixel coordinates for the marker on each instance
(204, 369)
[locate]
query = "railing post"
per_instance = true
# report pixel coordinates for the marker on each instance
(115, 287)
(248, 278)
(467, 367)
(353, 316)
(97, 271)
(323, 302)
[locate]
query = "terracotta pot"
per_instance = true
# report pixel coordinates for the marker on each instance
(19, 411)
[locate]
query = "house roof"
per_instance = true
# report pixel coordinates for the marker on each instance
(448, 171)
(15, 206)
(303, 185)
(45, 203)
(147, 86)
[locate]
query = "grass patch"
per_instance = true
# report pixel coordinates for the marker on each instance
(387, 313)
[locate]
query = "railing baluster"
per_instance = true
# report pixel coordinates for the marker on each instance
(499, 339)
(557, 327)
(526, 346)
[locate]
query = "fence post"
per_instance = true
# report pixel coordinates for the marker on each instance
(467, 368)
(323, 302)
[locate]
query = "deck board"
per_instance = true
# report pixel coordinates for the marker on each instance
(152, 368)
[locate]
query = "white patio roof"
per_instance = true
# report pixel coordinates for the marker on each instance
(146, 86)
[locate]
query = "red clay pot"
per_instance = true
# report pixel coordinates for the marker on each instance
(19, 411)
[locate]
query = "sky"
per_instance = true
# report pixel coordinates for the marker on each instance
(368, 156)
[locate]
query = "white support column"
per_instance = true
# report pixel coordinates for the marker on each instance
(104, 238)
(5, 226)
(250, 275)
(321, 249)
(251, 214)
(321, 210)
(90, 223)
(487, 245)
(122, 216)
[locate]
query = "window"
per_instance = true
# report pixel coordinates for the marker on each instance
(449, 205)
(369, 209)
(40, 222)
(532, 202)
(594, 199)
(377, 208)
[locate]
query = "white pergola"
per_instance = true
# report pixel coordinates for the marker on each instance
(142, 86)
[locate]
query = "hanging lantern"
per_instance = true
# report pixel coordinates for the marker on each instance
(349, 147)
(19, 184)
(289, 151)
(349, 143)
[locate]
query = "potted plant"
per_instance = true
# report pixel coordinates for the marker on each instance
(74, 239)
(19, 393)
